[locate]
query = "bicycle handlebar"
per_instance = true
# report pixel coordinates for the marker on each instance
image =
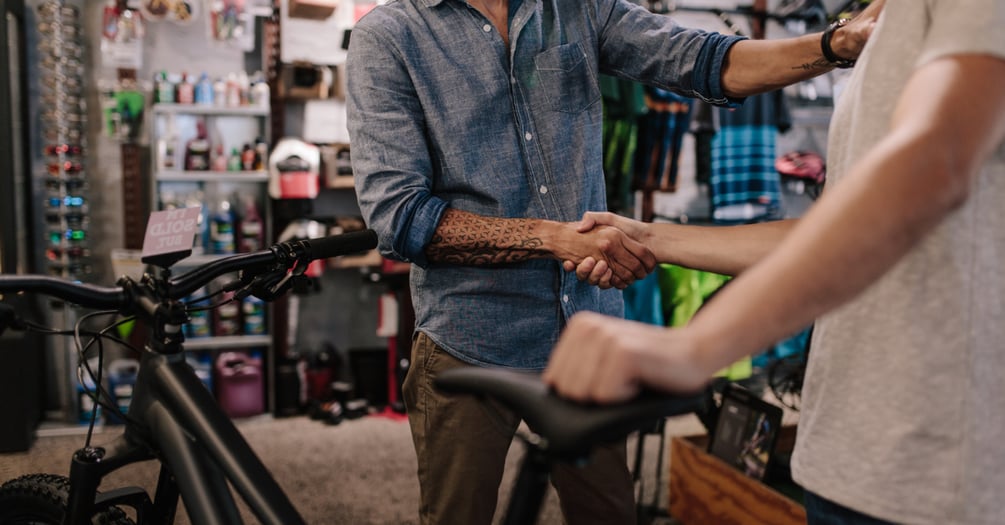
(281, 253)
(117, 297)
(88, 295)
(569, 428)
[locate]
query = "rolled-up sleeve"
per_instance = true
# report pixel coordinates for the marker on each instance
(391, 164)
(654, 50)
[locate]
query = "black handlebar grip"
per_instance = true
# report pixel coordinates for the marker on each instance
(352, 242)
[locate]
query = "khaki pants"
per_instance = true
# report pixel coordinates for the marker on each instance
(462, 442)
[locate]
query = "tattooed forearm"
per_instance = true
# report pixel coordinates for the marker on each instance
(473, 240)
(819, 64)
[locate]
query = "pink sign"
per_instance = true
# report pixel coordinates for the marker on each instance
(170, 231)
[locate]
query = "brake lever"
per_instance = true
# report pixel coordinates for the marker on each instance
(270, 286)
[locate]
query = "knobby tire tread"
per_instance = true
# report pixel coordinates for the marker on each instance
(41, 499)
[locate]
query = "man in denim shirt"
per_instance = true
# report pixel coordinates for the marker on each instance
(476, 147)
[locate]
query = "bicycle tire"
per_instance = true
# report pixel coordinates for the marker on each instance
(40, 499)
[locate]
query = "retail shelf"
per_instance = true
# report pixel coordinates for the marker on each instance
(223, 342)
(197, 259)
(175, 129)
(202, 109)
(208, 176)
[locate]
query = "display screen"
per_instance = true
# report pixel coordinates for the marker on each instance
(745, 432)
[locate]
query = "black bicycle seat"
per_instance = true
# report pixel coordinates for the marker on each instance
(570, 429)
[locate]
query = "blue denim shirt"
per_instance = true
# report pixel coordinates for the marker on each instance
(442, 114)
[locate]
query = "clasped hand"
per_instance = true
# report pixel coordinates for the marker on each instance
(607, 256)
(623, 257)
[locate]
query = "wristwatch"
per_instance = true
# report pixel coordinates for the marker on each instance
(825, 45)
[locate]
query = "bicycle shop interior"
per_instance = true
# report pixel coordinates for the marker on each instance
(115, 110)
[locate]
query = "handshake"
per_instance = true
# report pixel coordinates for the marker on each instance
(609, 251)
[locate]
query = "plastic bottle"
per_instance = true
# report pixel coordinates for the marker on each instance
(247, 158)
(261, 153)
(243, 87)
(198, 324)
(260, 90)
(86, 407)
(185, 90)
(168, 200)
(252, 229)
(234, 161)
(85, 403)
(167, 147)
(227, 318)
(163, 88)
(219, 158)
(233, 91)
(220, 92)
(204, 90)
(221, 229)
(197, 150)
(122, 378)
(253, 315)
(192, 200)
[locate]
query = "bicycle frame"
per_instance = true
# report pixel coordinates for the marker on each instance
(172, 417)
(175, 420)
(178, 422)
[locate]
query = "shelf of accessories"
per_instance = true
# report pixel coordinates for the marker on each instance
(209, 181)
(167, 108)
(211, 176)
(223, 342)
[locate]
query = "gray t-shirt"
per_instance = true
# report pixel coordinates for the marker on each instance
(904, 406)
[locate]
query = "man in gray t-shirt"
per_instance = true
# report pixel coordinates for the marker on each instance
(899, 263)
(902, 404)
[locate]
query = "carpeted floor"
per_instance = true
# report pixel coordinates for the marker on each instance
(360, 472)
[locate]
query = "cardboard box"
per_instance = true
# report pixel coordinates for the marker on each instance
(336, 166)
(301, 80)
(313, 9)
(704, 489)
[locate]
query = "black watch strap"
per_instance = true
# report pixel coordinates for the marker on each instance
(825, 45)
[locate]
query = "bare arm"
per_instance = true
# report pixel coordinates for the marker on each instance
(758, 66)
(470, 239)
(850, 238)
(727, 250)
(856, 232)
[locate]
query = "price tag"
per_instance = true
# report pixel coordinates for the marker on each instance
(171, 232)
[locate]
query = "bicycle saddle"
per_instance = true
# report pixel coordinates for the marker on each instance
(569, 429)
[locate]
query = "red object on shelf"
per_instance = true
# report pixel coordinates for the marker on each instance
(239, 386)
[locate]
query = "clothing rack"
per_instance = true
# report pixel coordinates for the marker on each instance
(813, 15)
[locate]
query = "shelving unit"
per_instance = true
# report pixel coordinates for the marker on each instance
(175, 185)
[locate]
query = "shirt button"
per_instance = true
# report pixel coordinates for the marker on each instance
(543, 189)
(565, 298)
(528, 135)
(486, 28)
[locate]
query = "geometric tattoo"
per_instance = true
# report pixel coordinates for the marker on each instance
(472, 240)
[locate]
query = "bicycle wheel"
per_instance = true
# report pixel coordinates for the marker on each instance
(40, 499)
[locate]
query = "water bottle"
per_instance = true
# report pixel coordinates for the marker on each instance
(222, 229)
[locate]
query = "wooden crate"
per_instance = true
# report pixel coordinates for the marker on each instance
(705, 490)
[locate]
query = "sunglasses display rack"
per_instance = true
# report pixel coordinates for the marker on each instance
(62, 112)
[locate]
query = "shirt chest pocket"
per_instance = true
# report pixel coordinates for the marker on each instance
(568, 82)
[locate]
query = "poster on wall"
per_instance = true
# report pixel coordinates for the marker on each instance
(122, 32)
